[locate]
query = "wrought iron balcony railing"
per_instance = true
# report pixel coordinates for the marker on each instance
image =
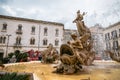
(19, 32)
(16, 45)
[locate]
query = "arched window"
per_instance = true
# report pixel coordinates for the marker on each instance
(56, 42)
(32, 41)
(4, 26)
(45, 41)
(1, 39)
(119, 32)
(33, 30)
(20, 27)
(18, 40)
(19, 30)
(56, 32)
(45, 31)
(108, 45)
(4, 39)
(115, 45)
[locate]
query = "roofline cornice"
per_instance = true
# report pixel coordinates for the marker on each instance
(31, 20)
(118, 23)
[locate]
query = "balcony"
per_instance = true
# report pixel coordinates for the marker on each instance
(19, 32)
(114, 37)
(115, 48)
(32, 33)
(3, 30)
(16, 45)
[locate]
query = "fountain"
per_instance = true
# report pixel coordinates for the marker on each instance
(77, 52)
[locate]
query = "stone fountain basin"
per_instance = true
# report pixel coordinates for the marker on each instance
(99, 70)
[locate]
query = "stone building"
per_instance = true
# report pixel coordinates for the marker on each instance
(112, 38)
(26, 34)
(98, 41)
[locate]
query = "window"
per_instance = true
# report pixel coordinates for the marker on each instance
(32, 41)
(56, 32)
(33, 30)
(19, 27)
(2, 39)
(45, 31)
(108, 45)
(18, 41)
(115, 45)
(4, 27)
(119, 32)
(114, 34)
(19, 30)
(107, 36)
(56, 42)
(45, 41)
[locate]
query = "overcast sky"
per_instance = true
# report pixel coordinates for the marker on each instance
(104, 12)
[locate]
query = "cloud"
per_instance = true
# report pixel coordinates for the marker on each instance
(3, 11)
(103, 12)
(9, 10)
(4, 2)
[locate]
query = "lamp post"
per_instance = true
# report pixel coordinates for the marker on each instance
(8, 36)
(39, 39)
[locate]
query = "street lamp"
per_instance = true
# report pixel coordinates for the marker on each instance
(39, 39)
(8, 35)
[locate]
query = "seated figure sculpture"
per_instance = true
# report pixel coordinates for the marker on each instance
(77, 52)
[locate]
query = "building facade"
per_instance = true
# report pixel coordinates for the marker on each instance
(112, 38)
(26, 34)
